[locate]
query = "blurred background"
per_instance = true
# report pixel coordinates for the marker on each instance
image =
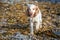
(14, 23)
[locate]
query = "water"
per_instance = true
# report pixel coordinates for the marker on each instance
(16, 1)
(57, 33)
(19, 36)
(2, 31)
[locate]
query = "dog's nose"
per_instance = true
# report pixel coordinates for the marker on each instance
(30, 13)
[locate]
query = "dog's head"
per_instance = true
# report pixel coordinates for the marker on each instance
(32, 10)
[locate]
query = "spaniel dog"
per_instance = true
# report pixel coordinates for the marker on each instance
(35, 17)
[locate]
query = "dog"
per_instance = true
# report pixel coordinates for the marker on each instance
(35, 15)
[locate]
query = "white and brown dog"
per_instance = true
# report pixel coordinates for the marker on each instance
(35, 17)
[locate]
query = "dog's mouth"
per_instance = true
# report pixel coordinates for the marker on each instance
(32, 15)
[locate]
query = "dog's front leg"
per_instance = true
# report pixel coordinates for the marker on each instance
(31, 26)
(37, 26)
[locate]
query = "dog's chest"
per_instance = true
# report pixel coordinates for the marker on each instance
(37, 18)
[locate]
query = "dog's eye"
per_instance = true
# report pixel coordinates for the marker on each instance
(36, 9)
(33, 9)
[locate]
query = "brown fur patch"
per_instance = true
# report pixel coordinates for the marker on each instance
(36, 11)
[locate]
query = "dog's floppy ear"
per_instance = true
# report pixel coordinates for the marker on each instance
(27, 12)
(37, 11)
(37, 7)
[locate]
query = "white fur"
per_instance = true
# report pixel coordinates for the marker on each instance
(37, 18)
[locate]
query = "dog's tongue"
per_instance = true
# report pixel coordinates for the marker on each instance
(32, 15)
